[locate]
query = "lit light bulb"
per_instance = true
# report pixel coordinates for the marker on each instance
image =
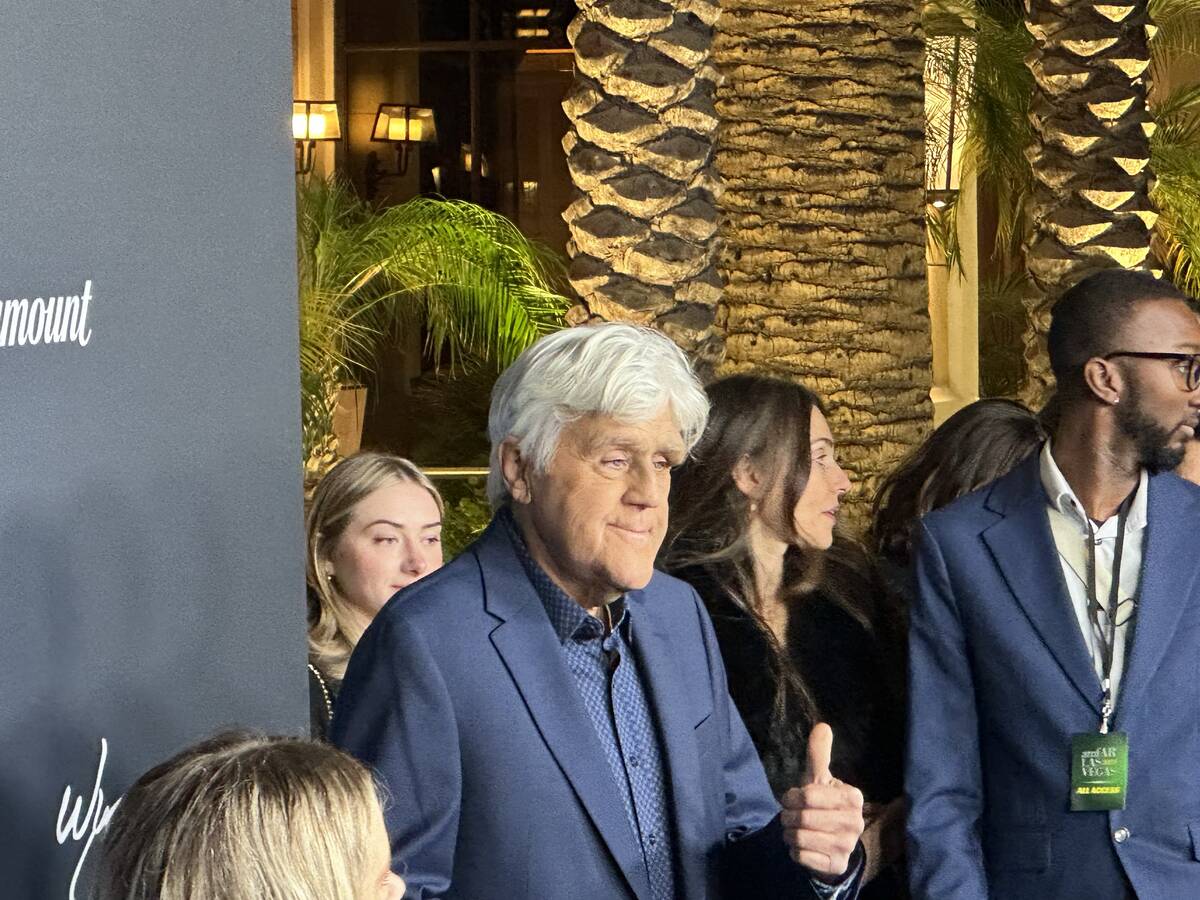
(396, 131)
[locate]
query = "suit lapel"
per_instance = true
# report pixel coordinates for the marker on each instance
(677, 716)
(1169, 569)
(1023, 547)
(531, 652)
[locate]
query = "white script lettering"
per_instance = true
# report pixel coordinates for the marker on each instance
(46, 320)
(94, 821)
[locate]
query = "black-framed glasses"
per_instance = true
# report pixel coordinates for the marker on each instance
(1188, 364)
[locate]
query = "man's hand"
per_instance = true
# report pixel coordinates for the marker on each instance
(823, 818)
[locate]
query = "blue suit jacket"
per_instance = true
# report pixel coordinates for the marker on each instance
(459, 698)
(1001, 679)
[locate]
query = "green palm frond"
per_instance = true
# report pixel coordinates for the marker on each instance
(467, 276)
(1178, 37)
(941, 225)
(996, 89)
(998, 130)
(1177, 195)
(490, 298)
(1175, 152)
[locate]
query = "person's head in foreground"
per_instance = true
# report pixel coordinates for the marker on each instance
(1125, 347)
(976, 445)
(374, 526)
(250, 817)
(585, 428)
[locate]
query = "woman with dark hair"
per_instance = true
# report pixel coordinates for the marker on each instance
(752, 520)
(978, 444)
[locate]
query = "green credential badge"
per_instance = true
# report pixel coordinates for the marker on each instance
(1099, 771)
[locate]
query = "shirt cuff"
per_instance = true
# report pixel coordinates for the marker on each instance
(847, 884)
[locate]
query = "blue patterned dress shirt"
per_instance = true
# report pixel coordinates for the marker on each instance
(612, 692)
(615, 699)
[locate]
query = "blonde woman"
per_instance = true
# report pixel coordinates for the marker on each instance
(374, 527)
(253, 818)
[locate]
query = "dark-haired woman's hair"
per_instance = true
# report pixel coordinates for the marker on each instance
(978, 444)
(750, 416)
(243, 815)
(767, 420)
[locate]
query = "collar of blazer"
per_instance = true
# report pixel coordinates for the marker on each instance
(1023, 548)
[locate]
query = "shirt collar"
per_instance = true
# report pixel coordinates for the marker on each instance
(1062, 497)
(570, 620)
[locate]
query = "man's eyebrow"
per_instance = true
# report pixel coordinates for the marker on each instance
(673, 452)
(618, 442)
(823, 440)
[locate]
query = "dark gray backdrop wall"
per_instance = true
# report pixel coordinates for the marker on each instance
(151, 584)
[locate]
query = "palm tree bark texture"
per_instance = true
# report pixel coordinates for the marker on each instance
(1090, 156)
(821, 149)
(644, 226)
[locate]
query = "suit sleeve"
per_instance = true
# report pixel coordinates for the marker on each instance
(395, 715)
(755, 863)
(943, 773)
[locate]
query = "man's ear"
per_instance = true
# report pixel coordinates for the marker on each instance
(514, 469)
(748, 479)
(1104, 380)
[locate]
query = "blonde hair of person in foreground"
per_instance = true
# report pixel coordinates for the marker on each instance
(250, 817)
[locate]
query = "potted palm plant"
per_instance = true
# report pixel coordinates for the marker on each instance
(462, 275)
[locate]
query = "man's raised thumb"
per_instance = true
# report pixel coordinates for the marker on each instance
(820, 749)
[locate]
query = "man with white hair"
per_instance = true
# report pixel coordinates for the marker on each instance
(549, 714)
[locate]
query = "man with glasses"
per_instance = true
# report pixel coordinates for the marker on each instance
(1055, 638)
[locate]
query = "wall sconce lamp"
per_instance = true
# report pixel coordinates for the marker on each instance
(405, 126)
(940, 198)
(312, 121)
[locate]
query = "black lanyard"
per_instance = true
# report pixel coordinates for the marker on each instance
(1107, 643)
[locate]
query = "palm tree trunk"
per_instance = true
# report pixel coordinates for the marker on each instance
(1090, 157)
(821, 149)
(644, 228)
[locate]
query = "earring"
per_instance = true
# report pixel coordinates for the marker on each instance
(1116, 400)
(753, 506)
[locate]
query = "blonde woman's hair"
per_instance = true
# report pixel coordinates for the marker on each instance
(333, 629)
(243, 816)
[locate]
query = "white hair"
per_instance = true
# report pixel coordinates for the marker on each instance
(610, 369)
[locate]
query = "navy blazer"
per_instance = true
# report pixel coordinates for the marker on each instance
(459, 698)
(1000, 680)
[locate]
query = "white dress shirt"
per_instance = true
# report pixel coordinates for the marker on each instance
(1072, 531)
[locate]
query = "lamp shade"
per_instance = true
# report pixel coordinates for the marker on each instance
(315, 120)
(404, 123)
